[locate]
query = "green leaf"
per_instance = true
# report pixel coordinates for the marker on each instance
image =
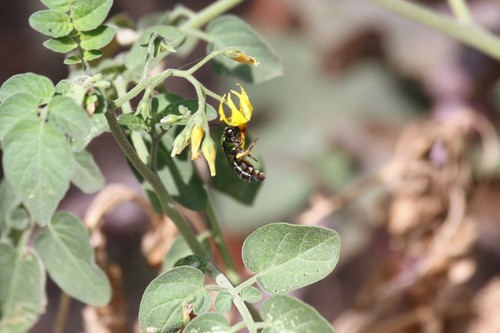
(223, 302)
(289, 315)
(226, 180)
(86, 174)
(136, 58)
(66, 252)
(18, 219)
(251, 294)
(132, 122)
(22, 289)
(72, 60)
(51, 23)
(92, 55)
(37, 85)
(8, 202)
(61, 45)
(209, 323)
(89, 14)
(38, 164)
(287, 257)
(15, 108)
(231, 31)
(169, 296)
(69, 116)
(98, 125)
(98, 38)
(62, 5)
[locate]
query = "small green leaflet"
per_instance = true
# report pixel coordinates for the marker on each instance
(89, 14)
(86, 174)
(209, 323)
(51, 23)
(70, 117)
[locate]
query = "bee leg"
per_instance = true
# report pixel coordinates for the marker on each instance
(246, 152)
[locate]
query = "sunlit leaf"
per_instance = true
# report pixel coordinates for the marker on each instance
(209, 323)
(89, 14)
(289, 315)
(37, 85)
(98, 38)
(66, 252)
(287, 257)
(231, 31)
(61, 45)
(22, 289)
(92, 55)
(62, 5)
(51, 23)
(38, 164)
(169, 298)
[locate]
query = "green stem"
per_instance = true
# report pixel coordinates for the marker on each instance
(209, 13)
(471, 35)
(152, 178)
(251, 281)
(219, 239)
(62, 313)
(222, 281)
(461, 11)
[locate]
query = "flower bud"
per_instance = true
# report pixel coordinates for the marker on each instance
(209, 151)
(241, 57)
(170, 119)
(180, 142)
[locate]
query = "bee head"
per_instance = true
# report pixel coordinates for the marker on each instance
(231, 132)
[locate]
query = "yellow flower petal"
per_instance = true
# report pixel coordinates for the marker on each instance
(196, 136)
(239, 116)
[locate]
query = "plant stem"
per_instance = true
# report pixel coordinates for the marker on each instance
(471, 35)
(219, 239)
(461, 11)
(222, 281)
(209, 13)
(152, 178)
(62, 313)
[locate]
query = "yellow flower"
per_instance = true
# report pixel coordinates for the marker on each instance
(209, 151)
(239, 116)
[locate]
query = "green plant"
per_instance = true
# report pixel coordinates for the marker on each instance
(44, 131)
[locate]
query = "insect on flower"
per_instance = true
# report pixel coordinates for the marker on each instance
(237, 155)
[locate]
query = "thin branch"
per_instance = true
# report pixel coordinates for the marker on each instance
(471, 35)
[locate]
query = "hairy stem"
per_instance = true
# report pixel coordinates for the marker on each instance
(471, 35)
(152, 178)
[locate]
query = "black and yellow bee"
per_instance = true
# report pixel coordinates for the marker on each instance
(237, 155)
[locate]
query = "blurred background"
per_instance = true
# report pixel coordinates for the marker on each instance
(380, 128)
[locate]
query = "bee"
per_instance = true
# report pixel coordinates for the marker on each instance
(237, 156)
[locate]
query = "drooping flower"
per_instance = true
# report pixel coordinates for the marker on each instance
(196, 136)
